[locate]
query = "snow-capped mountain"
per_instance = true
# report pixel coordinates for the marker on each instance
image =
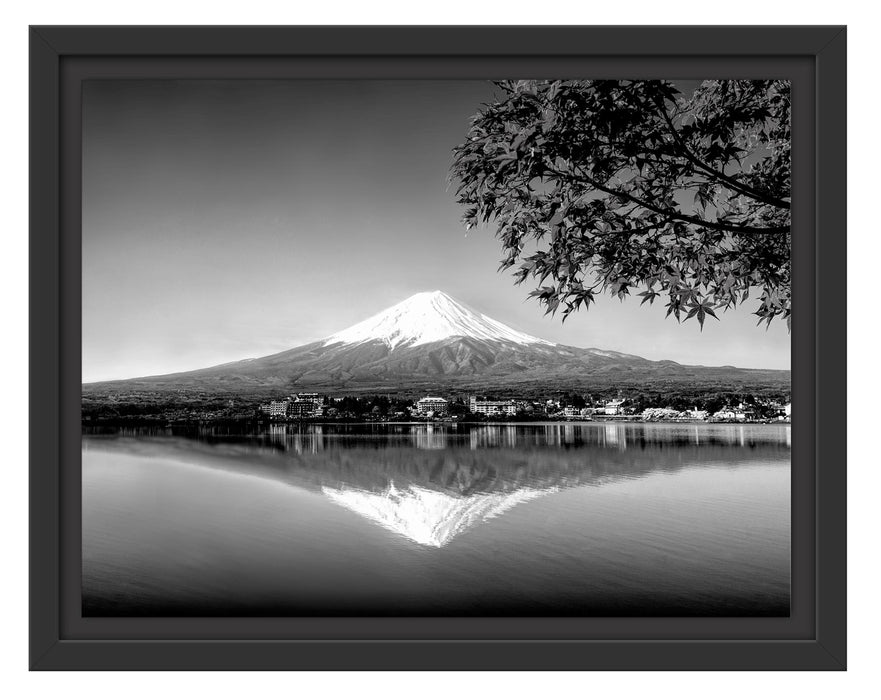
(432, 342)
(429, 317)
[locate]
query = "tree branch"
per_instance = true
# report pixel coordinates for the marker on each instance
(675, 213)
(735, 185)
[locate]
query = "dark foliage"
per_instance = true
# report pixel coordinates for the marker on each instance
(624, 187)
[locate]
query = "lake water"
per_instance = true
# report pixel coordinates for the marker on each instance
(525, 519)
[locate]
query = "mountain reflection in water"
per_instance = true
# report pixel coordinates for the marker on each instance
(432, 484)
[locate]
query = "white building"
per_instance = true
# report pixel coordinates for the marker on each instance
(311, 396)
(493, 408)
(278, 409)
(306, 405)
(432, 404)
(739, 412)
(614, 408)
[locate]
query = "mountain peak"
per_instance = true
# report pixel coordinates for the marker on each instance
(428, 317)
(427, 297)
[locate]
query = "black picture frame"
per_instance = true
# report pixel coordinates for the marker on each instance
(813, 637)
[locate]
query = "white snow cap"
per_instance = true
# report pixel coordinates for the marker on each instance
(429, 517)
(428, 317)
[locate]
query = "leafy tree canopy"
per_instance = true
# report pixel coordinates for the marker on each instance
(620, 187)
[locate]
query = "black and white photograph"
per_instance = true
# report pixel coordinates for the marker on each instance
(436, 348)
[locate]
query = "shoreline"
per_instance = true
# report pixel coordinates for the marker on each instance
(262, 424)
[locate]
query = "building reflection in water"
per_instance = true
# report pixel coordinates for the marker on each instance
(615, 436)
(432, 483)
(484, 436)
(430, 437)
(305, 439)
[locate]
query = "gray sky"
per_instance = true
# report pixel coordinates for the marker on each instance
(224, 220)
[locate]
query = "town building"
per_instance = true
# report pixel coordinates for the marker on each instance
(434, 405)
(312, 397)
(739, 412)
(487, 407)
(614, 407)
(306, 405)
(304, 409)
(278, 409)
